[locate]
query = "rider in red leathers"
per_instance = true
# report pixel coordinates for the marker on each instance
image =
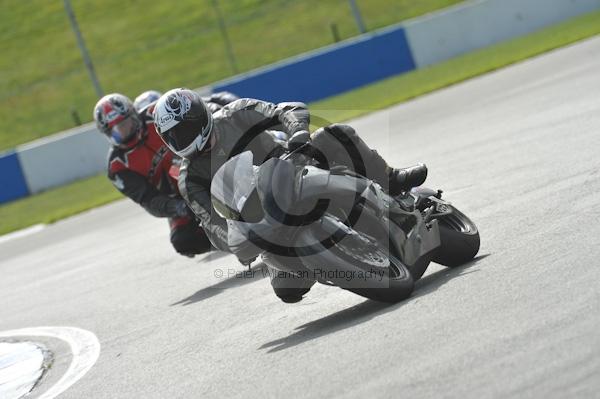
(141, 166)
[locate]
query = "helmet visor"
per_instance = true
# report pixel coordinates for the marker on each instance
(125, 130)
(182, 135)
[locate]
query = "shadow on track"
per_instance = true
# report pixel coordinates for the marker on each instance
(367, 310)
(212, 255)
(255, 273)
(435, 280)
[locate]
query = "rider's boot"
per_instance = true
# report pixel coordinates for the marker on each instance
(404, 179)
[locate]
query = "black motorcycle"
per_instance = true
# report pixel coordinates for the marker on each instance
(337, 227)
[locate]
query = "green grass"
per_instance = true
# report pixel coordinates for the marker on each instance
(74, 198)
(138, 45)
(56, 204)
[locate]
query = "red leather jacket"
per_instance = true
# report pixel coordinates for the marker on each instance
(147, 172)
(142, 172)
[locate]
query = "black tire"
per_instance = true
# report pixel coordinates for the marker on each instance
(459, 239)
(355, 255)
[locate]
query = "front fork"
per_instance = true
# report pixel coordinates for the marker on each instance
(430, 203)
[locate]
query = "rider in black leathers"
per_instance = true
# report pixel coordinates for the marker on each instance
(206, 142)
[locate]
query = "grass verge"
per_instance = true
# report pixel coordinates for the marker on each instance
(58, 203)
(85, 194)
(140, 45)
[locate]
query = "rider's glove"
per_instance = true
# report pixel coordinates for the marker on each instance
(298, 139)
(182, 210)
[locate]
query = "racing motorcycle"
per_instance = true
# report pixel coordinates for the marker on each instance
(337, 227)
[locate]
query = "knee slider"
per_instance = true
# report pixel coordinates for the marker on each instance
(188, 240)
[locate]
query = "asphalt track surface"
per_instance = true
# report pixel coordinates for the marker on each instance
(518, 150)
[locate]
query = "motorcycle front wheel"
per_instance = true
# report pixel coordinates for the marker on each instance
(459, 239)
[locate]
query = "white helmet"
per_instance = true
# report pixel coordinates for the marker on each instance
(183, 121)
(145, 99)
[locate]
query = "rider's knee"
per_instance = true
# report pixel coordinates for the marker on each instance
(341, 145)
(290, 295)
(338, 131)
(190, 240)
(290, 288)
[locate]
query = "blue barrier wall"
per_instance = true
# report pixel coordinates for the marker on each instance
(12, 182)
(312, 76)
(329, 71)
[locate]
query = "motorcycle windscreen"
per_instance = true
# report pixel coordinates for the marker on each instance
(232, 185)
(275, 183)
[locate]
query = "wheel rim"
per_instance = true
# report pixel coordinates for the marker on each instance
(365, 253)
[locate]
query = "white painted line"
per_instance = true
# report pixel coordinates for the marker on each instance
(22, 233)
(21, 366)
(84, 346)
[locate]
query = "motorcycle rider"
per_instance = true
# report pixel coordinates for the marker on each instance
(142, 167)
(206, 141)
